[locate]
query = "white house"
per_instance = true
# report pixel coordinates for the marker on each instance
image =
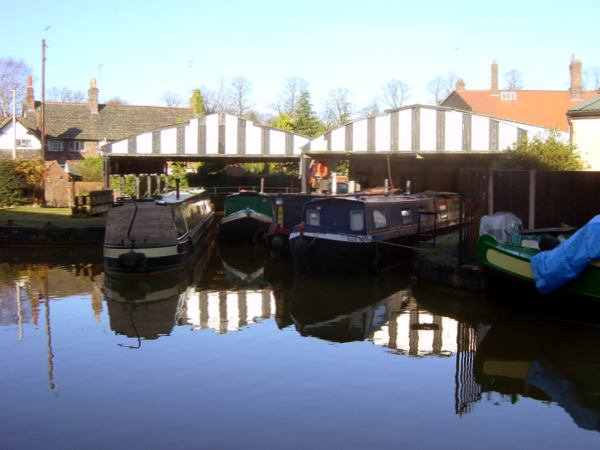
(27, 143)
(584, 121)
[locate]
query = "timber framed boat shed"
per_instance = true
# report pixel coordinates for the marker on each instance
(422, 144)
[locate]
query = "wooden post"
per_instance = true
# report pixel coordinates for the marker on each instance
(137, 186)
(490, 191)
(531, 221)
(122, 185)
(304, 162)
(148, 185)
(262, 185)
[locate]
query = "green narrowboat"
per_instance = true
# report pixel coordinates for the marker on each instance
(247, 216)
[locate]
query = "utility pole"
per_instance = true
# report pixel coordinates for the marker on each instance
(43, 121)
(14, 124)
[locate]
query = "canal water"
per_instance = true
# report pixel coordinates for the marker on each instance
(243, 353)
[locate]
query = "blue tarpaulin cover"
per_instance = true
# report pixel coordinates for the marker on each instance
(554, 268)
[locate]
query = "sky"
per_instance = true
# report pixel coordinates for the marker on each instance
(138, 50)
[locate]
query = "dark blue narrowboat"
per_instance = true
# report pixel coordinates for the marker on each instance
(287, 212)
(365, 234)
(159, 235)
(247, 216)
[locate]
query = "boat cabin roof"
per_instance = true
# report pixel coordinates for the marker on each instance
(171, 197)
(375, 199)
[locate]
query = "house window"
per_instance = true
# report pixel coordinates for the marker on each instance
(76, 146)
(356, 220)
(508, 96)
(312, 217)
(55, 146)
(379, 219)
(23, 142)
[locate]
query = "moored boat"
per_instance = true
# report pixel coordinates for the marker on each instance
(513, 261)
(158, 235)
(287, 212)
(247, 216)
(364, 234)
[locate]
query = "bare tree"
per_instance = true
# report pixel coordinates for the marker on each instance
(239, 103)
(338, 109)
(116, 100)
(56, 94)
(216, 101)
(370, 110)
(287, 102)
(13, 76)
(441, 87)
(171, 99)
(514, 80)
(591, 79)
(395, 93)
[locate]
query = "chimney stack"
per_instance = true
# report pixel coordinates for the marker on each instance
(494, 87)
(29, 97)
(460, 85)
(576, 87)
(93, 97)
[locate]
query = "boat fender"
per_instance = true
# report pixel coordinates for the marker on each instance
(132, 259)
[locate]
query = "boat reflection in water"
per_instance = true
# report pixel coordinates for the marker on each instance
(147, 308)
(235, 294)
(546, 360)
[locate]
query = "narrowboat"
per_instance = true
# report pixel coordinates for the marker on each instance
(365, 234)
(158, 235)
(287, 212)
(247, 216)
(527, 260)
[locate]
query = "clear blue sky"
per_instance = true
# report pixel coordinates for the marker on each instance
(139, 49)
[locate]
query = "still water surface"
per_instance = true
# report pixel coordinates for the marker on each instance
(242, 353)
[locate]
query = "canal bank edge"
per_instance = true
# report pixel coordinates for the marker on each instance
(50, 236)
(465, 276)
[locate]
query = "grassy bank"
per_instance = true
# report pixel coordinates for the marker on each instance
(37, 217)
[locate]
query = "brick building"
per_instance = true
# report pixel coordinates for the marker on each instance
(535, 107)
(77, 130)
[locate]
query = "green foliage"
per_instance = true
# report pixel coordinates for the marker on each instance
(198, 103)
(283, 121)
(178, 172)
(92, 169)
(542, 153)
(305, 120)
(32, 171)
(12, 184)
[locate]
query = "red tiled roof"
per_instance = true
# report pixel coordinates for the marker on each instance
(543, 108)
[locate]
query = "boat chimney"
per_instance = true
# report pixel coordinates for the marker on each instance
(177, 188)
(262, 185)
(408, 186)
(333, 183)
(386, 186)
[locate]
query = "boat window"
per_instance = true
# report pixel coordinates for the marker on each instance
(407, 216)
(179, 222)
(356, 220)
(379, 219)
(312, 217)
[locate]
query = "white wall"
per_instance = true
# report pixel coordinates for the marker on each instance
(6, 138)
(586, 137)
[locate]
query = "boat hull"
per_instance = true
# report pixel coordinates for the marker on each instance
(244, 225)
(163, 260)
(320, 253)
(507, 263)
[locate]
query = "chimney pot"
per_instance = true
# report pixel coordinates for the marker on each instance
(93, 97)
(460, 85)
(494, 86)
(575, 88)
(29, 96)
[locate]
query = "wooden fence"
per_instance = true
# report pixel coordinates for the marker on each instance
(539, 198)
